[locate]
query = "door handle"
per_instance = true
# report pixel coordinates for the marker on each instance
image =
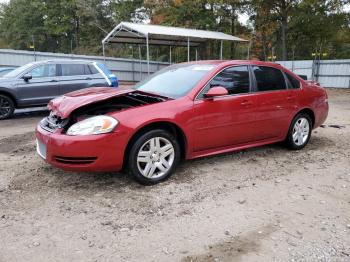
(88, 78)
(246, 103)
(53, 80)
(289, 98)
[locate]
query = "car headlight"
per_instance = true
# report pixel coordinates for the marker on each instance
(93, 126)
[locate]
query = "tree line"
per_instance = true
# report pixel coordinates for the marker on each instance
(277, 29)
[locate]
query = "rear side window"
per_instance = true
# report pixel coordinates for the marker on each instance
(269, 78)
(46, 70)
(292, 82)
(234, 79)
(75, 69)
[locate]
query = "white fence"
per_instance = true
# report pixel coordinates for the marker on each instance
(125, 69)
(329, 73)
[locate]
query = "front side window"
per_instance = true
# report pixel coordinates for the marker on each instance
(234, 79)
(292, 82)
(43, 71)
(269, 78)
(75, 69)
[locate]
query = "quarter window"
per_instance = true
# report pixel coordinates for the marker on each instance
(234, 79)
(93, 70)
(269, 78)
(43, 71)
(75, 69)
(292, 82)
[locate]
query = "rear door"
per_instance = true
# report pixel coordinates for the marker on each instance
(41, 88)
(73, 77)
(274, 107)
(228, 120)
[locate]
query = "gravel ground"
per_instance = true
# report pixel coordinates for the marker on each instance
(262, 204)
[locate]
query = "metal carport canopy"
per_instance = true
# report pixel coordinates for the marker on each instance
(132, 33)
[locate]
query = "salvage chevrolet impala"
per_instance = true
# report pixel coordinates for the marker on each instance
(187, 110)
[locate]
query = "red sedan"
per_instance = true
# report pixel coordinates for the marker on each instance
(187, 110)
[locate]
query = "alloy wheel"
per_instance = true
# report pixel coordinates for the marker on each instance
(5, 107)
(155, 157)
(301, 131)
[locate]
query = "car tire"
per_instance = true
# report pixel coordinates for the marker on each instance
(299, 132)
(153, 156)
(7, 107)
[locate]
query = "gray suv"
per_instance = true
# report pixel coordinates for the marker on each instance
(35, 84)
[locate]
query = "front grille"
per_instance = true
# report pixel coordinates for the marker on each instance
(51, 123)
(75, 160)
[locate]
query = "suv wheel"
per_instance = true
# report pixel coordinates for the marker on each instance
(299, 132)
(7, 107)
(154, 156)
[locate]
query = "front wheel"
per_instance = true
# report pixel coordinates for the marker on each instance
(299, 132)
(154, 156)
(7, 107)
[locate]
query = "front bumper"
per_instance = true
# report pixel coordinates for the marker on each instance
(93, 153)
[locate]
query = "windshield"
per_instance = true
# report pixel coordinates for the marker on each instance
(176, 80)
(17, 71)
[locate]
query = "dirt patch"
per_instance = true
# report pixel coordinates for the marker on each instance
(18, 144)
(235, 247)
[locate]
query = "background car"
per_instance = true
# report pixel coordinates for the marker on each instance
(186, 111)
(5, 70)
(35, 84)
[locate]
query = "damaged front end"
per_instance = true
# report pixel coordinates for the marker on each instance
(59, 119)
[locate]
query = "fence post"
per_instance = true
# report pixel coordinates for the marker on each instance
(140, 59)
(318, 64)
(133, 70)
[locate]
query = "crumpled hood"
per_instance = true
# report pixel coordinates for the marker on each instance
(64, 105)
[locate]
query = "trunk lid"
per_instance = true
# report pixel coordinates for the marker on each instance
(64, 105)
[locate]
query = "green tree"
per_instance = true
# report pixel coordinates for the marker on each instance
(19, 21)
(319, 33)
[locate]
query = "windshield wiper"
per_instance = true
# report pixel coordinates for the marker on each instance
(150, 95)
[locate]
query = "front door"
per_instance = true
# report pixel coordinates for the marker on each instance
(228, 120)
(43, 86)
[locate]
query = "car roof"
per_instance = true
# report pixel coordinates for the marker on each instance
(68, 61)
(233, 62)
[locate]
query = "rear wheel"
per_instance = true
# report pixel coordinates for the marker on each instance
(7, 107)
(299, 132)
(154, 156)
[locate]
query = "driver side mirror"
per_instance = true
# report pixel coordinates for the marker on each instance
(216, 91)
(27, 77)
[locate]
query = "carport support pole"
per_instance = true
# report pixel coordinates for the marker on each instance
(170, 55)
(147, 44)
(221, 50)
(103, 51)
(248, 52)
(188, 49)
